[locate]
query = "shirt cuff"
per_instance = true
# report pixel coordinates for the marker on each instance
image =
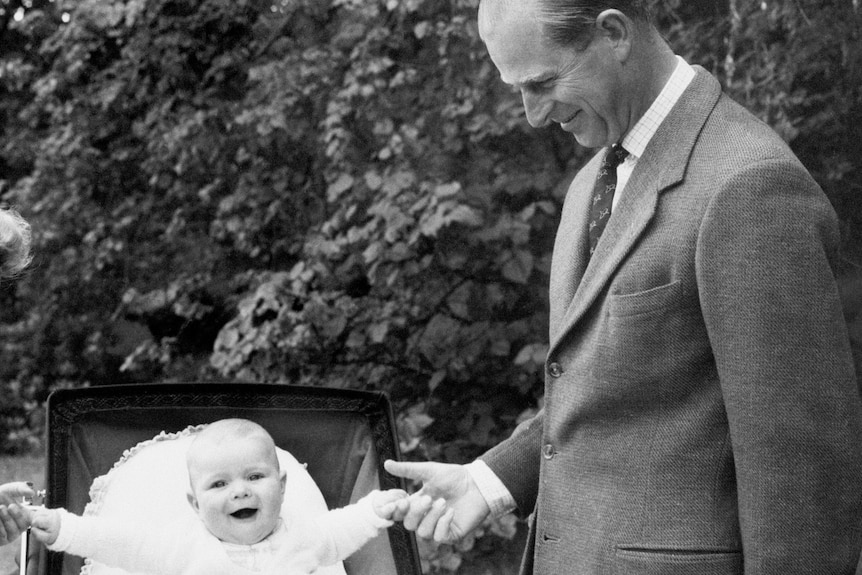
(498, 498)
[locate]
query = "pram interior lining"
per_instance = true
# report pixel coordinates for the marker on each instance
(343, 436)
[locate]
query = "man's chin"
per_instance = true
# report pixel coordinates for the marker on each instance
(590, 141)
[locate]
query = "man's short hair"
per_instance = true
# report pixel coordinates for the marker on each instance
(572, 22)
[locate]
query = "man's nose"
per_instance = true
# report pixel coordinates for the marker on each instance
(537, 108)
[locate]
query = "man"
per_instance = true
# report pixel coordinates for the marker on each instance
(701, 409)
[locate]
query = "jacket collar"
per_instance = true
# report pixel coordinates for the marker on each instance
(662, 166)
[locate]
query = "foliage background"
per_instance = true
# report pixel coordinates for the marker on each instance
(336, 193)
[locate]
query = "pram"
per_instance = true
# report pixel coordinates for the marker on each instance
(342, 435)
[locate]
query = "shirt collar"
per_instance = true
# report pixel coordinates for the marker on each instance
(636, 140)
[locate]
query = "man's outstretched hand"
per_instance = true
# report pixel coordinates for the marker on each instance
(448, 506)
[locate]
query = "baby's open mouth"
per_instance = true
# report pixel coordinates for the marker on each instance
(244, 513)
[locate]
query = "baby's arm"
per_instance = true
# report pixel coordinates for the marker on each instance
(127, 545)
(344, 531)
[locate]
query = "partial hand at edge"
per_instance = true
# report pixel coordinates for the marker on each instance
(448, 506)
(13, 522)
(15, 491)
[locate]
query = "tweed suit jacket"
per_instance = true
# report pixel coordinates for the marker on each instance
(701, 415)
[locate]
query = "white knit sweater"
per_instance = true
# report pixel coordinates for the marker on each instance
(184, 547)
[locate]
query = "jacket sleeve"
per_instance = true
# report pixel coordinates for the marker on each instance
(516, 462)
(775, 323)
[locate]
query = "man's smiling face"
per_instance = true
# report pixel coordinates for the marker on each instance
(579, 89)
(237, 488)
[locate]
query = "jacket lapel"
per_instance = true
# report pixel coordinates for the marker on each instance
(570, 247)
(661, 167)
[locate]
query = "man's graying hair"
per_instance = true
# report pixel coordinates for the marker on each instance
(571, 22)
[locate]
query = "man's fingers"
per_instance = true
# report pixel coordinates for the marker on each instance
(443, 530)
(426, 527)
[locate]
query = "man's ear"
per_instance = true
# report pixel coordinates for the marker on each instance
(193, 501)
(619, 30)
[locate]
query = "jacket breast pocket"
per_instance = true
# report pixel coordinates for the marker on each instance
(659, 298)
(644, 561)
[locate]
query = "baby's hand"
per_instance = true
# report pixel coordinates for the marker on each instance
(45, 524)
(391, 504)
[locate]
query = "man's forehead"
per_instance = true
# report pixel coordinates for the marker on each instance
(517, 46)
(493, 14)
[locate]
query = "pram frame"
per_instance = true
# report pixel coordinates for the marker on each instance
(68, 408)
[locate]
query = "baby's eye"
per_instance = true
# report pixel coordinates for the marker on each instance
(217, 484)
(256, 476)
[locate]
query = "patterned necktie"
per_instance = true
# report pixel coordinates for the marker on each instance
(603, 194)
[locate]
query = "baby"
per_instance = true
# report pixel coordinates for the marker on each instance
(14, 243)
(236, 489)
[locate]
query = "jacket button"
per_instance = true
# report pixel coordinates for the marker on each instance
(555, 369)
(548, 451)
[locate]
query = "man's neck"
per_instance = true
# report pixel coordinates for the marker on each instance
(654, 66)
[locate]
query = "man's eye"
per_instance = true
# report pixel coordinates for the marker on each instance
(534, 89)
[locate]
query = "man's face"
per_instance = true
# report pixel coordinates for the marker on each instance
(237, 490)
(581, 90)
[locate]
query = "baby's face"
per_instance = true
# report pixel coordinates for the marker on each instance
(237, 490)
